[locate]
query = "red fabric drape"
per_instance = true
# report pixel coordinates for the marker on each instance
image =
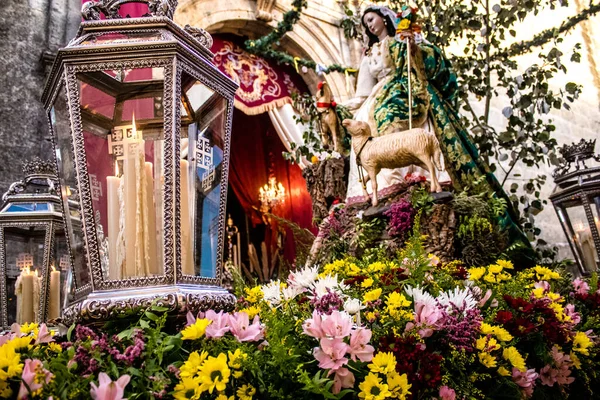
(134, 10)
(256, 149)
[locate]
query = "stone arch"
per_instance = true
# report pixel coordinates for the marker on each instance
(318, 39)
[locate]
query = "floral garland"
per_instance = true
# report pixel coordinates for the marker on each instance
(263, 47)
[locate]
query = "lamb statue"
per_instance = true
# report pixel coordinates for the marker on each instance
(394, 150)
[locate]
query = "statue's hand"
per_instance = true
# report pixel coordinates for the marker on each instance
(354, 103)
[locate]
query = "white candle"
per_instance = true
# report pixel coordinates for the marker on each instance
(588, 249)
(187, 248)
(114, 213)
(26, 299)
(150, 227)
(54, 310)
(130, 199)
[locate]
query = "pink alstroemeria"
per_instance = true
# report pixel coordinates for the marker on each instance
(107, 389)
(32, 372)
(575, 316)
(219, 326)
(337, 325)
(344, 378)
(359, 345)
(331, 353)
(526, 380)
(240, 327)
(447, 393)
(581, 286)
(44, 336)
(484, 300)
(312, 326)
(426, 317)
(542, 284)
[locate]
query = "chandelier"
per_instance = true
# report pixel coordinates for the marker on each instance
(271, 195)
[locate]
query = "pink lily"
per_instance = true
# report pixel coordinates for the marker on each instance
(447, 393)
(44, 336)
(581, 286)
(107, 389)
(331, 353)
(344, 378)
(240, 327)
(526, 380)
(337, 325)
(32, 372)
(312, 326)
(359, 345)
(219, 326)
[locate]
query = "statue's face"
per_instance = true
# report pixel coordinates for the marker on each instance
(374, 23)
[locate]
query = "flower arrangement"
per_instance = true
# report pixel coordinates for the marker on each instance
(407, 327)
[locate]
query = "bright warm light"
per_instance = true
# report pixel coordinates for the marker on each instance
(579, 227)
(26, 270)
(53, 268)
(271, 195)
(116, 168)
(134, 128)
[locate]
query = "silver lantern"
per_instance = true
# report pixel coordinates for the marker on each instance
(576, 200)
(34, 261)
(141, 122)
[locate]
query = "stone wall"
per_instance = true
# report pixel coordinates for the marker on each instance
(29, 32)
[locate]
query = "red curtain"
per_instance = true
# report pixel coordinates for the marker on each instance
(133, 10)
(255, 150)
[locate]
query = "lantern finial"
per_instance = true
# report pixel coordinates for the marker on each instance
(37, 166)
(576, 154)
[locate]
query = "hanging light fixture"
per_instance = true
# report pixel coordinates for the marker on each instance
(271, 195)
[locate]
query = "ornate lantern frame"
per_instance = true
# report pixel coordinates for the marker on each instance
(578, 189)
(178, 51)
(32, 202)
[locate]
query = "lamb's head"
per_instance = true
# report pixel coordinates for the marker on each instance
(357, 128)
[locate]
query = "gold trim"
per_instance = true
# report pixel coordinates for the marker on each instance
(263, 108)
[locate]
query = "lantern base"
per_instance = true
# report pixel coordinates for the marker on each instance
(102, 306)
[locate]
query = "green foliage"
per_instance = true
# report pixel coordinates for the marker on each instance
(368, 231)
(421, 199)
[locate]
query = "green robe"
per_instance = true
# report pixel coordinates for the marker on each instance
(435, 91)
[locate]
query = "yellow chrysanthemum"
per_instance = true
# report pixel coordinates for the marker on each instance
(487, 344)
(373, 389)
(476, 273)
(505, 264)
(371, 316)
(251, 311)
(384, 363)
(545, 274)
(188, 388)
(494, 269)
(191, 367)
(245, 392)
(55, 347)
(20, 343)
(581, 343)
(398, 385)
(353, 270)
(367, 283)
(5, 390)
(575, 359)
(196, 330)
(372, 295)
(214, 373)
(538, 293)
(487, 359)
(10, 362)
(253, 295)
(397, 300)
(336, 267)
(503, 371)
(28, 328)
(377, 266)
(236, 358)
(512, 355)
(500, 333)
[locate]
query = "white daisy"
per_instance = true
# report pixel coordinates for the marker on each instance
(272, 293)
(421, 297)
(457, 299)
(304, 278)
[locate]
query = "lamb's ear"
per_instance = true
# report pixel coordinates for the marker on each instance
(346, 122)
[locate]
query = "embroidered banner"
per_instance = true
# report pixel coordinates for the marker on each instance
(263, 86)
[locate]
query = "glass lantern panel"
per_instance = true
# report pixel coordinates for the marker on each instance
(24, 257)
(125, 156)
(28, 207)
(59, 275)
(61, 128)
(581, 236)
(201, 172)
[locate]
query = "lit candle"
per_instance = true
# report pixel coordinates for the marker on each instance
(114, 213)
(153, 266)
(187, 247)
(54, 310)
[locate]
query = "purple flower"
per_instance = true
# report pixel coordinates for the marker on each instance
(401, 215)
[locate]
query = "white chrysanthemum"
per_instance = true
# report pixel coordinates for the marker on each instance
(352, 306)
(457, 299)
(420, 296)
(327, 284)
(291, 292)
(272, 293)
(304, 278)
